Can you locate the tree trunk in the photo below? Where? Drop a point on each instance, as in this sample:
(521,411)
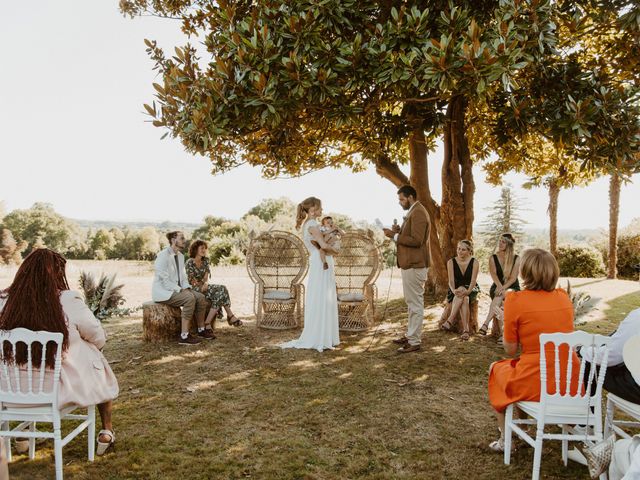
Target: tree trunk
(456,212)
(453,220)
(437,280)
(614,212)
(554,193)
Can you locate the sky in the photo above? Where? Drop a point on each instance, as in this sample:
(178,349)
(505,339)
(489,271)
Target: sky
(73,80)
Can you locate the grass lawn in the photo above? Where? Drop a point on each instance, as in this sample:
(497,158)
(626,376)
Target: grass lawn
(239,408)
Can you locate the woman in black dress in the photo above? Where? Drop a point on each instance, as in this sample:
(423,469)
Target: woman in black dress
(503,267)
(463,287)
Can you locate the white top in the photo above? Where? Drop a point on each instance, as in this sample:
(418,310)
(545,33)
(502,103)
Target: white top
(165,279)
(629,327)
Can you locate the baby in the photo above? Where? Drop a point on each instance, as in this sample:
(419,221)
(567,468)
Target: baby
(331,235)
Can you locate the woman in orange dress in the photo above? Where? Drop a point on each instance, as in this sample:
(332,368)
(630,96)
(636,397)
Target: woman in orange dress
(539,308)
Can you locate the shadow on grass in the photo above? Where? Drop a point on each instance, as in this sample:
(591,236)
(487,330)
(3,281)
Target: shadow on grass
(616,310)
(239,407)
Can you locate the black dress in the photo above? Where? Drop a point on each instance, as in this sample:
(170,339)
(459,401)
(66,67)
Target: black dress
(463,280)
(514,286)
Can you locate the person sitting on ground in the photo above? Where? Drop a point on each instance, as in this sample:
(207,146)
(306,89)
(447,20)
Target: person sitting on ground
(198,273)
(503,267)
(463,287)
(331,235)
(539,308)
(617,378)
(171,287)
(40,299)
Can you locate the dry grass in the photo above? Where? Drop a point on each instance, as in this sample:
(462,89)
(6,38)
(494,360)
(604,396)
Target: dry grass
(238,407)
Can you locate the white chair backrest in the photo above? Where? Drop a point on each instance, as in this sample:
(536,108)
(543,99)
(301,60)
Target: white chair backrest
(26,384)
(570,341)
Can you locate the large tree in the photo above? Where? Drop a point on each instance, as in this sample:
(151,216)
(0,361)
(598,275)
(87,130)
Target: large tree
(293,87)
(297,86)
(581,104)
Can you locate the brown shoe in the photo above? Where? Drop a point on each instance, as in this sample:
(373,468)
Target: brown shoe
(190,340)
(400,341)
(207,334)
(409,348)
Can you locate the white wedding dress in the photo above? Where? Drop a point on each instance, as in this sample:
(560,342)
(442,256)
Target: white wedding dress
(321,303)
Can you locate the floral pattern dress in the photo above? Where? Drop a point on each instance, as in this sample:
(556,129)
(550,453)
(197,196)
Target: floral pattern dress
(218,295)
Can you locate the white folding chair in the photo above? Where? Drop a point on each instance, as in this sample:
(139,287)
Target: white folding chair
(560,408)
(29,395)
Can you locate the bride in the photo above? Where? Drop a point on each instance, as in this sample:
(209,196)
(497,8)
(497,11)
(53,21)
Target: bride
(321,304)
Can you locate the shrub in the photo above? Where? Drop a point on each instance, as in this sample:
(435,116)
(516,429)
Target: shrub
(628,256)
(103,297)
(580,262)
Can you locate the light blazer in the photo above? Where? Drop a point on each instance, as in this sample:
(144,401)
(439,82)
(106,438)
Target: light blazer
(413,239)
(165,279)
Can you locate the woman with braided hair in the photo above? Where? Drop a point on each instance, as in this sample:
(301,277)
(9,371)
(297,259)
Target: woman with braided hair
(40,299)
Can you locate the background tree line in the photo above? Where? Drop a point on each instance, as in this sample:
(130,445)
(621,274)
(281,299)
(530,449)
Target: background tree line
(580,254)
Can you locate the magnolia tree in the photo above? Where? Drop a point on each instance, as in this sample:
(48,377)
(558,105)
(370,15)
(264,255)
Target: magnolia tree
(293,87)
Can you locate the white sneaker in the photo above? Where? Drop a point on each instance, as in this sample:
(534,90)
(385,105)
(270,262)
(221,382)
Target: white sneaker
(497,445)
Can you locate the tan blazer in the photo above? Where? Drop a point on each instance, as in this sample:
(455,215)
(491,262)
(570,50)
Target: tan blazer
(413,240)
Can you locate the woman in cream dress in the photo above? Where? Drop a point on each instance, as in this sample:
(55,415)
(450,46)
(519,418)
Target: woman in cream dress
(321,303)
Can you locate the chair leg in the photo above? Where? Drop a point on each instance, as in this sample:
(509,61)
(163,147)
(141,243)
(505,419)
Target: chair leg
(7,441)
(91,432)
(565,446)
(537,453)
(57,450)
(32,441)
(508,418)
(608,419)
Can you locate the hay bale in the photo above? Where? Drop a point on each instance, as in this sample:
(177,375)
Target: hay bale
(160,322)
(457,324)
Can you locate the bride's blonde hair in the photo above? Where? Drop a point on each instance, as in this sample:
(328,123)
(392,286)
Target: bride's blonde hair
(303,209)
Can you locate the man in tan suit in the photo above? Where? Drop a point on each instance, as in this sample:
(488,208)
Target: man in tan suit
(412,240)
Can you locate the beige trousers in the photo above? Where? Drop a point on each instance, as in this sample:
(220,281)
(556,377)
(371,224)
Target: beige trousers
(190,301)
(413,287)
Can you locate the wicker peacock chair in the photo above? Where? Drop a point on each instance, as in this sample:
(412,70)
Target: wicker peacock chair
(277,262)
(357,268)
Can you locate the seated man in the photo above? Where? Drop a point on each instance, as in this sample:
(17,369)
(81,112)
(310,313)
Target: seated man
(171,287)
(618,379)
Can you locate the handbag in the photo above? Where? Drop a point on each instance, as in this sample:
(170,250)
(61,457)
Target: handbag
(599,455)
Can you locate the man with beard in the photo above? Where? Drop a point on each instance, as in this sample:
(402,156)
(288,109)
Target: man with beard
(171,287)
(412,240)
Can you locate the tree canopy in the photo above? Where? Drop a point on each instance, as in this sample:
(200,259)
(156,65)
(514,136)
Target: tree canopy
(292,87)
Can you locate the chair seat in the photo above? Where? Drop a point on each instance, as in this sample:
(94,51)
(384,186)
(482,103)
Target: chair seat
(350,297)
(9,408)
(629,407)
(277,295)
(556,413)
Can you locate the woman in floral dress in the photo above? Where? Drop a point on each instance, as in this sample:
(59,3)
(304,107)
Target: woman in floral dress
(198,273)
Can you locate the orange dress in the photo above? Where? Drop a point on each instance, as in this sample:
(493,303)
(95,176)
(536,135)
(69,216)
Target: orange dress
(527,314)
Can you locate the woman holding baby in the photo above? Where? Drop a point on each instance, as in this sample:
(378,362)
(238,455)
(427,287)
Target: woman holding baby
(321,304)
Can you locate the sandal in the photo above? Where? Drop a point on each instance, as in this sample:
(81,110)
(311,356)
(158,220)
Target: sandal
(465,336)
(234,323)
(446,326)
(483,329)
(103,447)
